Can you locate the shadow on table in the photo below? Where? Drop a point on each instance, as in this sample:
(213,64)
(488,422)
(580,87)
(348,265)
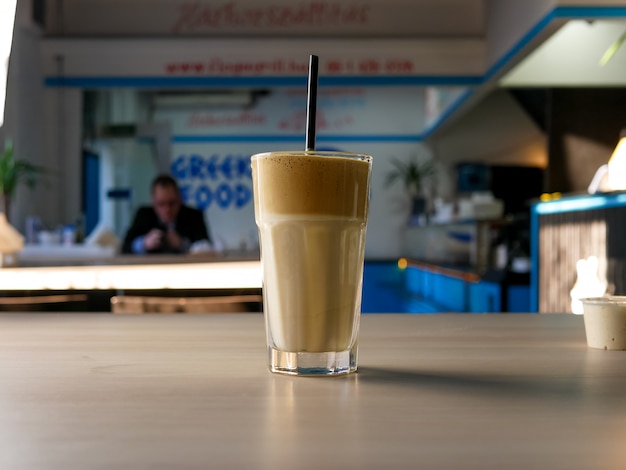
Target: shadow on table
(559,389)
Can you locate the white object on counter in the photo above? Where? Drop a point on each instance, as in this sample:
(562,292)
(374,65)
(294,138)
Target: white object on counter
(103,236)
(66,253)
(486,206)
(201,246)
(49,237)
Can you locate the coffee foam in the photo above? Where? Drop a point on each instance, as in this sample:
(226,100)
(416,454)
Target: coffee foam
(299,183)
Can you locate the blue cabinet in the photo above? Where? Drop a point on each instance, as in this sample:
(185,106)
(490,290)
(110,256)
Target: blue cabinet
(428,288)
(415,280)
(518,299)
(449,292)
(485,297)
(424,288)
(383,288)
(444,290)
(436,291)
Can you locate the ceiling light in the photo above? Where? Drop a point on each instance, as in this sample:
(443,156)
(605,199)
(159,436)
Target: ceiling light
(617,166)
(236,99)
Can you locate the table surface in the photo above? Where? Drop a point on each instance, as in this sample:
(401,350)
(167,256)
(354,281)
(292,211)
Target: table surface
(449,391)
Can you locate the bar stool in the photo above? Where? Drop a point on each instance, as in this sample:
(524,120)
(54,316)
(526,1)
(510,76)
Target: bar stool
(44,303)
(155,304)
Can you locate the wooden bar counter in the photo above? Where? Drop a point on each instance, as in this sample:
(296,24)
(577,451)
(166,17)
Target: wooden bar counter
(150,272)
(102,391)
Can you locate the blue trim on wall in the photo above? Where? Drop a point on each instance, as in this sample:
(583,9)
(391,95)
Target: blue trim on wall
(160,82)
(521,44)
(557,13)
(410,80)
(581,203)
(193,139)
(534,259)
(581,12)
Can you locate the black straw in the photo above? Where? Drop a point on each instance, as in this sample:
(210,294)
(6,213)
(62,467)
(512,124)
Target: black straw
(311,104)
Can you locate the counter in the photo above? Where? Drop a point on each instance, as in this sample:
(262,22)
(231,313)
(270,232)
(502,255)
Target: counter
(213,275)
(90,284)
(148,272)
(86,255)
(191,392)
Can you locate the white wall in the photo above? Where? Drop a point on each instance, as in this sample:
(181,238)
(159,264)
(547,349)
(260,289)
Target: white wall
(495,131)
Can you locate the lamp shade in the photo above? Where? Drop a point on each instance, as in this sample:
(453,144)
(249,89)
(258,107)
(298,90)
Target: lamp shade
(11,240)
(617,167)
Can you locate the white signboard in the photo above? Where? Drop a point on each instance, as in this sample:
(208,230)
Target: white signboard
(211,150)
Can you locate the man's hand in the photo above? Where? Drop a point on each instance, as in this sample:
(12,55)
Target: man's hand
(174,240)
(153,239)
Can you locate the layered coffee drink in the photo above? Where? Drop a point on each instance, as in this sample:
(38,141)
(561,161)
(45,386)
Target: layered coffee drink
(311,210)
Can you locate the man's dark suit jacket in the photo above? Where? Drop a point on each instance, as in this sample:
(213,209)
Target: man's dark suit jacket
(189,224)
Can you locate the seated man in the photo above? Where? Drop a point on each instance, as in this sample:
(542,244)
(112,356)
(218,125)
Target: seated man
(168,226)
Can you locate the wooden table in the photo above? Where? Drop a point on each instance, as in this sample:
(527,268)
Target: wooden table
(103,391)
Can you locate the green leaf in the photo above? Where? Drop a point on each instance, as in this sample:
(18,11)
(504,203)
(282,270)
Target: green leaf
(411,173)
(13,172)
(610,52)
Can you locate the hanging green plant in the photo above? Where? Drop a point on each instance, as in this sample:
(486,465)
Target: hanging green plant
(14,172)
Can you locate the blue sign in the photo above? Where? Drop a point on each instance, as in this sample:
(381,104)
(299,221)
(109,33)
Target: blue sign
(222,180)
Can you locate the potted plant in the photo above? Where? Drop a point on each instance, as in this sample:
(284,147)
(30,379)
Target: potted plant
(413,175)
(13,172)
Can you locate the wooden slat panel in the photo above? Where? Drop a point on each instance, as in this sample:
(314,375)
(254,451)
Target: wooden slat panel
(567,237)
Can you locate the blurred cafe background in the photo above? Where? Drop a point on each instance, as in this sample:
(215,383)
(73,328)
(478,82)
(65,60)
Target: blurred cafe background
(493,124)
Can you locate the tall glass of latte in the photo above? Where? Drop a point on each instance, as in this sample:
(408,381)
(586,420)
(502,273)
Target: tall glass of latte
(311,211)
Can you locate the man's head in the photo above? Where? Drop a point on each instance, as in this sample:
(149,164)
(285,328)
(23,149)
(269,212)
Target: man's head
(166,198)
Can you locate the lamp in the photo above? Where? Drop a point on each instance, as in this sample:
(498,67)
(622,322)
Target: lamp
(617,166)
(7,21)
(11,241)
